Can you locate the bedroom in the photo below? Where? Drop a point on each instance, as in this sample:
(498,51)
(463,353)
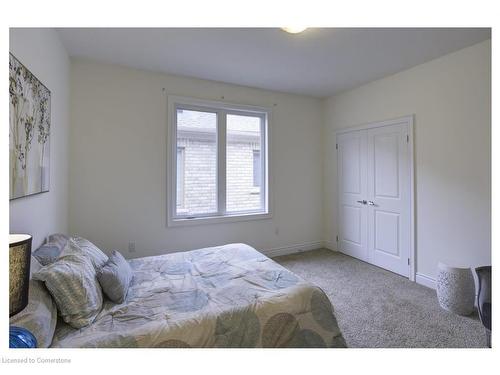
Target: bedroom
(258,188)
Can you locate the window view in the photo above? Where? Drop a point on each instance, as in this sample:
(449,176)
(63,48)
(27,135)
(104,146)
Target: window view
(220,167)
(243,163)
(196,163)
(180,178)
(256,168)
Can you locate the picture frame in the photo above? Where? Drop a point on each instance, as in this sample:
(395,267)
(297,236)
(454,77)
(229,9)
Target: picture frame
(29,132)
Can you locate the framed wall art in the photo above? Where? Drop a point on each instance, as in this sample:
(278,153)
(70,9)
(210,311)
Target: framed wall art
(29,137)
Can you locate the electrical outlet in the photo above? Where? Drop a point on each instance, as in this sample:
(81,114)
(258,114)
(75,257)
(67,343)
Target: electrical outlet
(277,231)
(131,247)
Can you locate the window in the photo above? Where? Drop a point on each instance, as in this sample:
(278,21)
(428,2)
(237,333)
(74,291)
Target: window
(197,136)
(256,168)
(218,163)
(243,135)
(180,178)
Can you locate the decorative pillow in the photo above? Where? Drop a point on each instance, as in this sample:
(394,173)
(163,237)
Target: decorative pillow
(47,254)
(40,316)
(50,250)
(58,239)
(72,282)
(115,277)
(82,245)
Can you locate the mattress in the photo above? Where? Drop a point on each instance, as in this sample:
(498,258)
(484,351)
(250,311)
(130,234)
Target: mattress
(226,296)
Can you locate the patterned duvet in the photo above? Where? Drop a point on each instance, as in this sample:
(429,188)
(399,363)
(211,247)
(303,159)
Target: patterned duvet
(227,296)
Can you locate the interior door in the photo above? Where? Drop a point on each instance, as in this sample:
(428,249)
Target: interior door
(388,206)
(352,185)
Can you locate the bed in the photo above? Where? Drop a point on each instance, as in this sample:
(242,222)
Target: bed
(227,296)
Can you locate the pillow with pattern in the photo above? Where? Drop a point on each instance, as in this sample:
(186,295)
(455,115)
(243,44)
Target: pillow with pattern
(87,248)
(72,282)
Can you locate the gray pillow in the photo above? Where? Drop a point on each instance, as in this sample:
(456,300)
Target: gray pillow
(40,316)
(72,282)
(115,277)
(51,249)
(47,254)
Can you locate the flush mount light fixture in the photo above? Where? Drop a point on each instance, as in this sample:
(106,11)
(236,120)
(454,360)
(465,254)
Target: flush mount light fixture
(293,30)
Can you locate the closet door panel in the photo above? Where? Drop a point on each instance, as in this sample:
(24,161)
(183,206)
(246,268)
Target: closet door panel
(388,189)
(352,190)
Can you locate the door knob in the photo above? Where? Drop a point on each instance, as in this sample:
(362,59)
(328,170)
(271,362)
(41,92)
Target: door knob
(362,202)
(371,203)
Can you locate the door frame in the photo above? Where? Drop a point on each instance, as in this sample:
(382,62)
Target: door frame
(409,120)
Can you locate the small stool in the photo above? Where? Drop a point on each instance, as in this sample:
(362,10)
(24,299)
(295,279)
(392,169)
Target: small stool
(455,289)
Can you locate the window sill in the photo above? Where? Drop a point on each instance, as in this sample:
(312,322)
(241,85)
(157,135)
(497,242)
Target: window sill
(173,222)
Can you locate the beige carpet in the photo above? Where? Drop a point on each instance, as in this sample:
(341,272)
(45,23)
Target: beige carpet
(377,308)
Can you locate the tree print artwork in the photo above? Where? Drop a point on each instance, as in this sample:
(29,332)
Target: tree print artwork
(29,138)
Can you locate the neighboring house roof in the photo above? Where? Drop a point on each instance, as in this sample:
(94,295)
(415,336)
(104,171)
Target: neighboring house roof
(202,126)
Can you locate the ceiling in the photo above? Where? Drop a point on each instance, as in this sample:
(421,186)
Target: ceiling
(318,62)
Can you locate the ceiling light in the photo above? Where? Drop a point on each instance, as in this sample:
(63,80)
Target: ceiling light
(293,30)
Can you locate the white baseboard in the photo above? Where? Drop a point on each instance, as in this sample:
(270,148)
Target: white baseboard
(292,249)
(330,245)
(425,280)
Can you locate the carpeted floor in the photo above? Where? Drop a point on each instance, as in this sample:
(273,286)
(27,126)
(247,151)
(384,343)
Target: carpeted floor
(377,308)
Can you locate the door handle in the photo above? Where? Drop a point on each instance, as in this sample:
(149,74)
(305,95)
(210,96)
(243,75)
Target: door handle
(370,203)
(362,202)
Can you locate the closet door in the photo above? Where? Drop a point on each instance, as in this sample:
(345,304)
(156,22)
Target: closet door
(388,187)
(351,169)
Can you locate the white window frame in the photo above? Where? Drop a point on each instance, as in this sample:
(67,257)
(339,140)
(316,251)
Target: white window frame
(222,109)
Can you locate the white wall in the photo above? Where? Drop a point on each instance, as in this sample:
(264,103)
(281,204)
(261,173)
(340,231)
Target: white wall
(118,163)
(117,179)
(41,51)
(451,100)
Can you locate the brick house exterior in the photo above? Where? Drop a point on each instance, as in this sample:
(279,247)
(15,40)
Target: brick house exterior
(197,163)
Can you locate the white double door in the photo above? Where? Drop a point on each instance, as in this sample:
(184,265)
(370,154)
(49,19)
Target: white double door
(374,195)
